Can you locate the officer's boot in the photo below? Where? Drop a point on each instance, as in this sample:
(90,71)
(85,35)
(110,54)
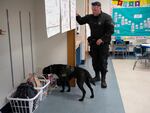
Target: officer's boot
(103,81)
(97,76)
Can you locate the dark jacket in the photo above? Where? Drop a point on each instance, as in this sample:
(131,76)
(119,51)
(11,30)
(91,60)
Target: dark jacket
(101,26)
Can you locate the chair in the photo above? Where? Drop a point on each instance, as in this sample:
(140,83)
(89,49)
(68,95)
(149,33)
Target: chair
(140,54)
(120,47)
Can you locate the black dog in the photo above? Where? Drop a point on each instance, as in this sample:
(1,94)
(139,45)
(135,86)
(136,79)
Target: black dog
(62,71)
(66,72)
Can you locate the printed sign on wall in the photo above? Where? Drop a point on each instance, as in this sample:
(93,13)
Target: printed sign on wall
(52,9)
(65,16)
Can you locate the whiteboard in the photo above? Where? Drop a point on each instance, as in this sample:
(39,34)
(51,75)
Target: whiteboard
(73,13)
(65,16)
(52,11)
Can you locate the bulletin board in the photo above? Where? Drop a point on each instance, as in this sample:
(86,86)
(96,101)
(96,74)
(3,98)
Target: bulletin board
(132,21)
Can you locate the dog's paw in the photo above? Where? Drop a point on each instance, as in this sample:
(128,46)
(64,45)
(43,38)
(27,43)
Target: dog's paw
(92,96)
(62,91)
(68,90)
(81,99)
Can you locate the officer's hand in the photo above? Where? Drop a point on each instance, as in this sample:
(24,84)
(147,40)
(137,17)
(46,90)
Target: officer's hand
(99,42)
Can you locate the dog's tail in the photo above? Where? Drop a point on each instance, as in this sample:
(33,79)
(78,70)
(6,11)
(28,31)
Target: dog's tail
(90,79)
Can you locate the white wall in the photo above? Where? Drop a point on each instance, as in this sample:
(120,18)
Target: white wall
(12,69)
(16,56)
(48,50)
(81,35)
(5,68)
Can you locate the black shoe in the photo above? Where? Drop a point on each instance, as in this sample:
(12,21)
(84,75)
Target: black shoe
(103,84)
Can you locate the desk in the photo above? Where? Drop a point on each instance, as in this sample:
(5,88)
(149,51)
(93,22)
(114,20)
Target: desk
(126,42)
(145,45)
(120,48)
(146,53)
(143,54)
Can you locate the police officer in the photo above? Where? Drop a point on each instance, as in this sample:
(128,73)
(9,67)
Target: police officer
(102,27)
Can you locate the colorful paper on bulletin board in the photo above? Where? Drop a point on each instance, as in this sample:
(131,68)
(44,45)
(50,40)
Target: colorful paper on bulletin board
(125,3)
(115,2)
(120,3)
(132,21)
(144,2)
(129,0)
(137,3)
(126,0)
(131,4)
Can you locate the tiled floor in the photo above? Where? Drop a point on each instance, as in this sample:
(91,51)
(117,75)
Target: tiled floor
(134,85)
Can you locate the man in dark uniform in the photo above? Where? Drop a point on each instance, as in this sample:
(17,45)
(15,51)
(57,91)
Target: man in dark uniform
(102,28)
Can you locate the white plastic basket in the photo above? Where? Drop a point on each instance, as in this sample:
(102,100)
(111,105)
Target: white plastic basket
(20,105)
(44,88)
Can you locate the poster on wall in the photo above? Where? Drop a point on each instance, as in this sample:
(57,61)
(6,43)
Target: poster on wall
(65,16)
(132,21)
(52,12)
(73,13)
(131,3)
(145,2)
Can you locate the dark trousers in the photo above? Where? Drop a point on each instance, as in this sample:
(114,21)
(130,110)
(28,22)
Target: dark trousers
(99,56)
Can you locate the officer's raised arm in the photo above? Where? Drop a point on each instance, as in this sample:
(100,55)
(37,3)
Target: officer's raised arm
(82,20)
